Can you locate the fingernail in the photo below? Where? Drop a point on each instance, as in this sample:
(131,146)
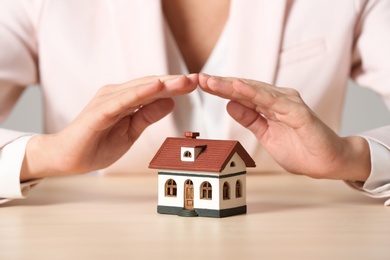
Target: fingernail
(193,75)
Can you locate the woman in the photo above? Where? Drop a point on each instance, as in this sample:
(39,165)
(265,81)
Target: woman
(72,48)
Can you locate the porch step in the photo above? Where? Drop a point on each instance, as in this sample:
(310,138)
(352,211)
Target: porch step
(187,213)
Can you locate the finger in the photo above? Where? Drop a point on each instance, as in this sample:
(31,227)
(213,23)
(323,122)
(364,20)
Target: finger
(218,86)
(264,112)
(144,94)
(223,86)
(248,118)
(287,108)
(226,88)
(148,115)
(107,110)
(148,79)
(275,103)
(130,99)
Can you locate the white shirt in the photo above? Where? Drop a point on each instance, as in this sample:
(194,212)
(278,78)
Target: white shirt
(11,159)
(203,112)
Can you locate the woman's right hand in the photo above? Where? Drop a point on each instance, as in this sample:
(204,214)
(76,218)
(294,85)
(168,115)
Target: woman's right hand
(106,128)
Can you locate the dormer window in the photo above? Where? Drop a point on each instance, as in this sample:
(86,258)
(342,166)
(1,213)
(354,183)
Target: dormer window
(232,164)
(187,154)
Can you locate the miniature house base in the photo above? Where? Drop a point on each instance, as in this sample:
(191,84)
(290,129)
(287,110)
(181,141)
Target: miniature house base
(204,178)
(202,212)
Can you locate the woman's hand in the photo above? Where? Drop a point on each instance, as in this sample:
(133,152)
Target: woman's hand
(290,131)
(106,128)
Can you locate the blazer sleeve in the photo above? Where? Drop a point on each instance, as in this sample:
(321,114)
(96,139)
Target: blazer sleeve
(18,56)
(371,68)
(18,69)
(371,56)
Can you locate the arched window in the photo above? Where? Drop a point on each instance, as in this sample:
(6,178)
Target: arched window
(226,191)
(187,154)
(238,189)
(232,164)
(170,188)
(206,191)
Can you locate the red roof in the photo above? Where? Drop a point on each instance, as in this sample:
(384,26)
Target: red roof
(213,157)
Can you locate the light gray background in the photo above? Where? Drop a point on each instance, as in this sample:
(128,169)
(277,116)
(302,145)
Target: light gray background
(27,115)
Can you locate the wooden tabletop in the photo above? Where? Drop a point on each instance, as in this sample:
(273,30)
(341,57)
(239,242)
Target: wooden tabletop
(114,217)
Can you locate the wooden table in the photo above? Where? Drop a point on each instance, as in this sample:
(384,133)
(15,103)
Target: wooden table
(101,217)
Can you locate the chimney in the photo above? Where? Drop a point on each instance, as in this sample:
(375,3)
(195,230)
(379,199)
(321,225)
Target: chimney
(191,135)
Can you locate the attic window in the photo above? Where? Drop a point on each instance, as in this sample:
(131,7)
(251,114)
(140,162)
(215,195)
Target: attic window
(187,154)
(232,164)
(190,153)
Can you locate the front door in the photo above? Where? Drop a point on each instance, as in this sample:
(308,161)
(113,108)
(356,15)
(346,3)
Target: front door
(188,195)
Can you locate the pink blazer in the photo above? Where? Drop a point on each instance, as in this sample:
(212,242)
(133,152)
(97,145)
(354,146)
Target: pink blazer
(74,47)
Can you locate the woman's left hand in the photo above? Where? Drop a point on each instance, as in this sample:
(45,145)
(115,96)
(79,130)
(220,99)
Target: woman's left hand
(290,131)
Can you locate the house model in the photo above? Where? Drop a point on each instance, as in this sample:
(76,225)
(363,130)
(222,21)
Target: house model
(201,177)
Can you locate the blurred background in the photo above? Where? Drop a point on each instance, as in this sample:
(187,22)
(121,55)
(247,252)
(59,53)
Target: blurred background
(27,115)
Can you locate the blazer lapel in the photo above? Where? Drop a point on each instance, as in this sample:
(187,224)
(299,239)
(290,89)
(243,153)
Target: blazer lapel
(257,30)
(256,34)
(142,37)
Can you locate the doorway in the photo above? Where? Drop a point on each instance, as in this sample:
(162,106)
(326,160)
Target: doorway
(188,195)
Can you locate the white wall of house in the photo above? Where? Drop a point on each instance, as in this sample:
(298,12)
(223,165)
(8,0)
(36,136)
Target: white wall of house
(239,165)
(217,191)
(178,201)
(233,201)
